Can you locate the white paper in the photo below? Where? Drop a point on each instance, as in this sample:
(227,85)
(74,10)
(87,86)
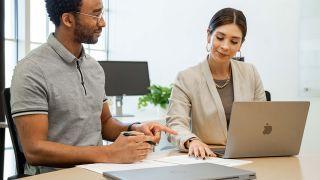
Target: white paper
(161,162)
(185,159)
(102,167)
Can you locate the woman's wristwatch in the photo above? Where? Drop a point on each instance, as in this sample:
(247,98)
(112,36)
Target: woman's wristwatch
(189,141)
(193,138)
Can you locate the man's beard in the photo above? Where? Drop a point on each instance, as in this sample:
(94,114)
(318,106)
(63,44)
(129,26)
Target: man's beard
(84,35)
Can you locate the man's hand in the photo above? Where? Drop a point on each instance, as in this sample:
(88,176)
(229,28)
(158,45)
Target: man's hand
(129,149)
(153,130)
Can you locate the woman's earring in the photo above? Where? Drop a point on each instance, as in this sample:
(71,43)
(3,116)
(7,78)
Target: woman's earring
(208,47)
(209,44)
(238,58)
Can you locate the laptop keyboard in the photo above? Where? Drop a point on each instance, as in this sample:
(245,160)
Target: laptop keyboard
(219,152)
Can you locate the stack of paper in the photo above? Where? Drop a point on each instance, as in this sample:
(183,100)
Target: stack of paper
(185,159)
(160,162)
(102,167)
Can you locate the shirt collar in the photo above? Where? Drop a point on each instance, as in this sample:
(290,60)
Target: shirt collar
(65,55)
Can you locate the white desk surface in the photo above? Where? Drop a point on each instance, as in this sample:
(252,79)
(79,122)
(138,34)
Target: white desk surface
(294,168)
(305,166)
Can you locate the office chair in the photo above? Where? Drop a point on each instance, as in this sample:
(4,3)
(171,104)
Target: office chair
(20,158)
(268,95)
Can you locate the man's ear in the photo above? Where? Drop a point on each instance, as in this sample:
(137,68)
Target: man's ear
(67,19)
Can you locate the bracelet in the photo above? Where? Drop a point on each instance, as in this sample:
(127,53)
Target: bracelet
(130,126)
(191,139)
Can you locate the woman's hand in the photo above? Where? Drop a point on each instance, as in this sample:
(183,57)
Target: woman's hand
(199,149)
(153,129)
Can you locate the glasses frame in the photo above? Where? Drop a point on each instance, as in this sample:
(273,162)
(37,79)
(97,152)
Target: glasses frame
(99,17)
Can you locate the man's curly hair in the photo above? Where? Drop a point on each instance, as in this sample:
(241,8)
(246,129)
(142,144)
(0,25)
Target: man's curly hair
(56,8)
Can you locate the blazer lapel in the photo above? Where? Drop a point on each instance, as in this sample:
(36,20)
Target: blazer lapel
(238,81)
(214,95)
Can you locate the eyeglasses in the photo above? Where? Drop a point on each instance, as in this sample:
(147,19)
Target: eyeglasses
(99,17)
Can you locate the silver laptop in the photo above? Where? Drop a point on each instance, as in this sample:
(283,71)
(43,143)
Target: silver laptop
(259,129)
(185,172)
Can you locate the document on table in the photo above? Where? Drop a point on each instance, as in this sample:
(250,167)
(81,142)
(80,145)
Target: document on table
(102,167)
(185,159)
(161,162)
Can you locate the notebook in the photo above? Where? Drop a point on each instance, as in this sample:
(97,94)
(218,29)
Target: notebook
(185,172)
(260,129)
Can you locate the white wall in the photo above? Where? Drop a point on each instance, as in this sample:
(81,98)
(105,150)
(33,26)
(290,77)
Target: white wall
(171,36)
(309,53)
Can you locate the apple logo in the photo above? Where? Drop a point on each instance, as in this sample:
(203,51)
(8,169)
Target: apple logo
(267,129)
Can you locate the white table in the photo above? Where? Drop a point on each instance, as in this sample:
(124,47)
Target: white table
(294,168)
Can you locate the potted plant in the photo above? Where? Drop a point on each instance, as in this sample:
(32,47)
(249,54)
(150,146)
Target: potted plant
(158,96)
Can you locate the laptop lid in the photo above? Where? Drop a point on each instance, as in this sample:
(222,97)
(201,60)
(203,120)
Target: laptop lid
(185,172)
(272,128)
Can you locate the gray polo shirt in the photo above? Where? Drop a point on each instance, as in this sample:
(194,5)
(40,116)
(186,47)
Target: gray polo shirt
(50,80)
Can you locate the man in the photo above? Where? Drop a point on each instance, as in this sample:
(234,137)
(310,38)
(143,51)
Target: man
(58,99)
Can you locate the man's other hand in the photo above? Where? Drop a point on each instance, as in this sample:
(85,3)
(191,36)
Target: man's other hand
(130,149)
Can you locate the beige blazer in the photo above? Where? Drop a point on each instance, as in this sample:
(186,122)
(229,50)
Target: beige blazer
(195,108)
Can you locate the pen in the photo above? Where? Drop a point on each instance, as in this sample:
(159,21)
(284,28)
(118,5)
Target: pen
(135,133)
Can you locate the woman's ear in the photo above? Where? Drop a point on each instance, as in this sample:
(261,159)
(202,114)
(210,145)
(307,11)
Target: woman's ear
(240,46)
(208,36)
(242,41)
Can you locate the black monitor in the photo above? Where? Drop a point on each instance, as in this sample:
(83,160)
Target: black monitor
(125,78)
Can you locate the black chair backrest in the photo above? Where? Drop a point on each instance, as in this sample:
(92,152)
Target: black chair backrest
(20,158)
(268,95)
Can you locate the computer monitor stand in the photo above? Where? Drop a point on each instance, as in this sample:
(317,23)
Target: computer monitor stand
(119,104)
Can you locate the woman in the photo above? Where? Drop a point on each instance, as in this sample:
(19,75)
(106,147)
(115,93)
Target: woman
(202,95)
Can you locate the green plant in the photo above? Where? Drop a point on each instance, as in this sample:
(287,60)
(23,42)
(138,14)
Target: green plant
(159,95)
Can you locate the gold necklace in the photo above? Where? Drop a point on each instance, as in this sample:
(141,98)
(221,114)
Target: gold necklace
(223,85)
(226,82)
